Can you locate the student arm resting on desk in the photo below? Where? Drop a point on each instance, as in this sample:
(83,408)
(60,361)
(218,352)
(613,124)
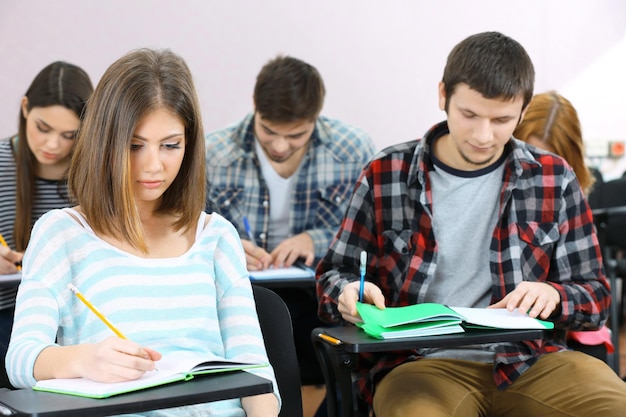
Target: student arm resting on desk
(575,300)
(471,217)
(169,276)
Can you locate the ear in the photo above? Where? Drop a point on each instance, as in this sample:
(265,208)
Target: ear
(442,96)
(521,117)
(25,107)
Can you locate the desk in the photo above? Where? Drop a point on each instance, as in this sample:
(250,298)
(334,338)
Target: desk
(29,403)
(601,217)
(291,277)
(338,360)
(10,280)
(285,282)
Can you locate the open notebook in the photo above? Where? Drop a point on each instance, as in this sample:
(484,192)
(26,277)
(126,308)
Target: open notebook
(297,271)
(429,319)
(180,366)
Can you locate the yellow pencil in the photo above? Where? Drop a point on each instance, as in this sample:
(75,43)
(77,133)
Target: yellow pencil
(4,243)
(330,339)
(96,312)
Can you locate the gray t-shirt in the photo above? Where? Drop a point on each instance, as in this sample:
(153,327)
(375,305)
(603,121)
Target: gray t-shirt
(465,213)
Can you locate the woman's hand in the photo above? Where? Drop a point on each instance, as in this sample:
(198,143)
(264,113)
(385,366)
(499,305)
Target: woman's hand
(116,360)
(8,259)
(112,360)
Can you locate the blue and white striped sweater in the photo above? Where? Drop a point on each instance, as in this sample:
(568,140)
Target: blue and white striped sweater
(200,301)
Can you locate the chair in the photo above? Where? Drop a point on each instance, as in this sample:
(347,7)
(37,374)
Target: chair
(275,324)
(608,203)
(338,349)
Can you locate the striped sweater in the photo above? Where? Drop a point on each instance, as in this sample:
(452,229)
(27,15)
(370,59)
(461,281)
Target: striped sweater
(200,301)
(48,195)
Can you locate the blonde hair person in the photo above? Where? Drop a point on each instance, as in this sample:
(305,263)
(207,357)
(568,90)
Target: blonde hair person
(551,123)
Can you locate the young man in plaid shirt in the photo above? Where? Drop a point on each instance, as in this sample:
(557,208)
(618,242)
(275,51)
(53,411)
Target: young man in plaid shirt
(468,216)
(290,171)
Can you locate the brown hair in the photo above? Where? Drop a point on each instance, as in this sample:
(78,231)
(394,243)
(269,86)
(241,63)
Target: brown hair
(140,82)
(287,90)
(553,119)
(492,64)
(59,83)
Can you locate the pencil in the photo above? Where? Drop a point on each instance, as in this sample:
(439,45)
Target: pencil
(246,225)
(330,339)
(96,312)
(4,243)
(362,273)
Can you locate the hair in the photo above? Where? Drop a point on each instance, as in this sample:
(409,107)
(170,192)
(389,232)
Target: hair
(288,90)
(492,64)
(554,120)
(142,81)
(59,83)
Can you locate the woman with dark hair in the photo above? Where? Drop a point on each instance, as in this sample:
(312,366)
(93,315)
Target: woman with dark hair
(33,167)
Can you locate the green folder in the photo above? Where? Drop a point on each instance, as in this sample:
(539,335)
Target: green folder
(427,319)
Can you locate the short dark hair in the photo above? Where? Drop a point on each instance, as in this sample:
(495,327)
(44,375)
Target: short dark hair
(492,64)
(287,90)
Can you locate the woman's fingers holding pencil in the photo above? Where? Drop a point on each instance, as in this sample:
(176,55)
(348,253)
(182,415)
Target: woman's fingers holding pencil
(151,354)
(8,260)
(116,360)
(350,295)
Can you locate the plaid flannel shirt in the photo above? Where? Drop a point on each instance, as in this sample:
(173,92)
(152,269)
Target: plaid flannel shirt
(544,233)
(325,180)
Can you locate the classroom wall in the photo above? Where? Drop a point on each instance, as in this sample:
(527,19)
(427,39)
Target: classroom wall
(381,60)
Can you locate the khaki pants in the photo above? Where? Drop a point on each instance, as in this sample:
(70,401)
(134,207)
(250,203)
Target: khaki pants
(558,384)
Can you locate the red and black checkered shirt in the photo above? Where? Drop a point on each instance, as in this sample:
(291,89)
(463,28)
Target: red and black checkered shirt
(544,233)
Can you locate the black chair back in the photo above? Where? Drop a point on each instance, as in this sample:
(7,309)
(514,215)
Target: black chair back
(275,322)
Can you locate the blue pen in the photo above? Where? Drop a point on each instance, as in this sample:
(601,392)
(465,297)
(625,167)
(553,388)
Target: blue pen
(246,225)
(362,270)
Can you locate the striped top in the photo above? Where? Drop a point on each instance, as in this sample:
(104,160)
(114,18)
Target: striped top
(48,195)
(200,301)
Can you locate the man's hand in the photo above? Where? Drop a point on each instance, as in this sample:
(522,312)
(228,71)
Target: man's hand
(8,259)
(257,259)
(350,295)
(289,250)
(538,299)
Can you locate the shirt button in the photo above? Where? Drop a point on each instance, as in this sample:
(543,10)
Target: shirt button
(262,236)
(265,203)
(226,203)
(337,199)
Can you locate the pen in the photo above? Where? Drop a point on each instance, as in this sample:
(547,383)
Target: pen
(246,225)
(4,243)
(299,263)
(96,312)
(329,339)
(362,270)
